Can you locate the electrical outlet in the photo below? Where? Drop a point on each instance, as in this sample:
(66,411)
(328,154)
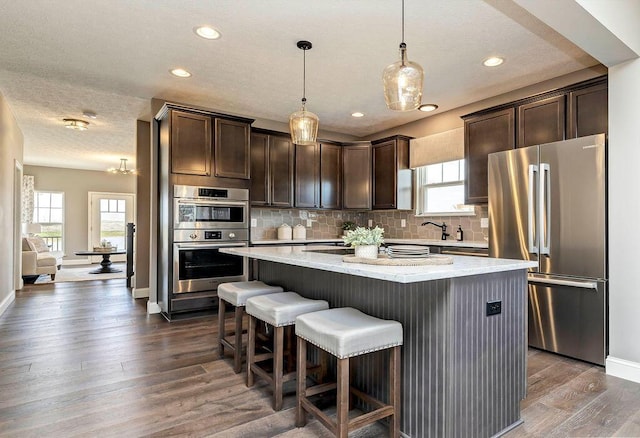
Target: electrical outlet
(309,223)
(370,223)
(484,222)
(254,222)
(494,307)
(403,223)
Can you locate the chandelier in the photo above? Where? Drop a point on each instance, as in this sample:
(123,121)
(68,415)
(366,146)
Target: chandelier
(122,170)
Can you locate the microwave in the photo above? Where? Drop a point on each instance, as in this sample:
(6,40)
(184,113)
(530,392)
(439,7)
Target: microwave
(210,208)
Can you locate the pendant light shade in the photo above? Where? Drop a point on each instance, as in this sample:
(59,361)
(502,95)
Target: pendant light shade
(303,124)
(403,80)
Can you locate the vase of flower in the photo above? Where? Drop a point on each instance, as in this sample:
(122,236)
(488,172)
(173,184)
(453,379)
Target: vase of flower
(365,241)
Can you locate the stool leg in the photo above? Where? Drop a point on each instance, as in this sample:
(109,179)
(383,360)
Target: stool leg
(237,353)
(251,348)
(221,332)
(278,356)
(342,396)
(301,416)
(394,391)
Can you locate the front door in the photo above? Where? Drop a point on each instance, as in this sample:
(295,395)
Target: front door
(109,214)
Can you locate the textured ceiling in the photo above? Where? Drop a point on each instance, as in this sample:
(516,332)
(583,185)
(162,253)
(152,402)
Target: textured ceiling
(111,57)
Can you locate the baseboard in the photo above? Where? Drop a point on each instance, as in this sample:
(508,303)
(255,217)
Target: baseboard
(625,369)
(153,308)
(7,301)
(76,262)
(140,292)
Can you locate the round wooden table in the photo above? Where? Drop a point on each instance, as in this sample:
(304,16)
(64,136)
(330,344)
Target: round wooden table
(106,260)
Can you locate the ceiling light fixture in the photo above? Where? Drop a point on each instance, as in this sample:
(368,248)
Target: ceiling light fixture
(493,61)
(78,125)
(303,124)
(122,170)
(90,114)
(357,114)
(207,32)
(180,72)
(402,80)
(427,107)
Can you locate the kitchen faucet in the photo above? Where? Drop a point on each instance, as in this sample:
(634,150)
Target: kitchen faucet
(443,226)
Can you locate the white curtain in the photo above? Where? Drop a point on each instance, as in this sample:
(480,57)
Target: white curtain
(28,184)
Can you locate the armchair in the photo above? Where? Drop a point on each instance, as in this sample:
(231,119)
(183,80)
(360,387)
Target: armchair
(37,259)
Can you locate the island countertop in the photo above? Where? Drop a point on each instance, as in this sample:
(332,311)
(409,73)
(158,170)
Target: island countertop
(390,240)
(306,257)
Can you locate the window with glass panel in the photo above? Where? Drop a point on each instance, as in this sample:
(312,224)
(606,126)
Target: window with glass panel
(48,211)
(113,222)
(440,189)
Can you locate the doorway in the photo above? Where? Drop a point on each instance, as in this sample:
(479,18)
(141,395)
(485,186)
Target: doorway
(109,214)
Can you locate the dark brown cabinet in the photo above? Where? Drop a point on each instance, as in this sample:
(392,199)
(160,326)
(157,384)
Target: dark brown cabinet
(541,122)
(483,135)
(272,164)
(356,177)
(190,143)
(392,177)
(307,176)
(231,152)
(588,111)
(330,176)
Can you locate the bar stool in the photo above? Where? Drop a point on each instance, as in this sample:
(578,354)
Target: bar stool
(346,332)
(279,311)
(236,293)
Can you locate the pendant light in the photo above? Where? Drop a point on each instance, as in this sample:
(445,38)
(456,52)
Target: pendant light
(303,124)
(402,80)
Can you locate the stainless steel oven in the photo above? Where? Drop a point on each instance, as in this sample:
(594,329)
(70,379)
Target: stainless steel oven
(198,264)
(210,208)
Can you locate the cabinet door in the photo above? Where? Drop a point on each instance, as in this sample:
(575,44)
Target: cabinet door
(281,171)
(330,176)
(588,111)
(484,135)
(259,169)
(385,183)
(356,177)
(190,143)
(541,122)
(307,176)
(231,150)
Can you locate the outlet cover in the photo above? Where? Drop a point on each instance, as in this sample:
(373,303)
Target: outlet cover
(254,222)
(403,223)
(370,223)
(484,222)
(309,223)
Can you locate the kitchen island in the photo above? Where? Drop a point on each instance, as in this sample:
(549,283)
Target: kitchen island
(463,372)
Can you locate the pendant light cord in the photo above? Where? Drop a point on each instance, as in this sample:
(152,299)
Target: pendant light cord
(304,76)
(402,21)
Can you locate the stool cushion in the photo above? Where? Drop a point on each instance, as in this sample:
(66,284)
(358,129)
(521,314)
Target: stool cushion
(282,308)
(347,332)
(238,292)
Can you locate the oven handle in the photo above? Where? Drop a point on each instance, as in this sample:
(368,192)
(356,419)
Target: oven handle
(204,245)
(211,202)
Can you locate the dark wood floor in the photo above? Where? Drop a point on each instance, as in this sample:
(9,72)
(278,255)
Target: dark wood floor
(84,359)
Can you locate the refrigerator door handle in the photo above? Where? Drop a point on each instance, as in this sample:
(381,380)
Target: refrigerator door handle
(531,211)
(544,211)
(560,282)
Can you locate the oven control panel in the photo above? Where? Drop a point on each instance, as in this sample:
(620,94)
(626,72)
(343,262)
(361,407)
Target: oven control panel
(211,235)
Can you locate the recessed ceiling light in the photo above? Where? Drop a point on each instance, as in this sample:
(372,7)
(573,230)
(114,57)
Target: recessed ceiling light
(78,125)
(207,32)
(180,72)
(494,61)
(428,107)
(357,114)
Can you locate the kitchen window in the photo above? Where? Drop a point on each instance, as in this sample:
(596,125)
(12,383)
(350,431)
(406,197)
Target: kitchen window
(48,211)
(440,190)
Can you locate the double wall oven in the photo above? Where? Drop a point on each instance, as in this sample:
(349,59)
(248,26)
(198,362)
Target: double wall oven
(206,219)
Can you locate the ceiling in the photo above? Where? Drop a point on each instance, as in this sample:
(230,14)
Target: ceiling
(62,58)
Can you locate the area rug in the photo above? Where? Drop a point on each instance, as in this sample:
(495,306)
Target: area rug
(82,274)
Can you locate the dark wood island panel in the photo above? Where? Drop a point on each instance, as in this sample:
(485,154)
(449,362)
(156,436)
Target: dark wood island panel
(463,373)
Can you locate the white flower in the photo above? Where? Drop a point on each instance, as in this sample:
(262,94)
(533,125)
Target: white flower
(364,236)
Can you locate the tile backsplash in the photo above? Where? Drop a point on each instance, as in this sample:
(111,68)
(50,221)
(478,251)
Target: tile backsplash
(326,224)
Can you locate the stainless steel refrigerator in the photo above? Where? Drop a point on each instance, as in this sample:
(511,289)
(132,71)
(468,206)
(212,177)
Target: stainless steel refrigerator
(547,203)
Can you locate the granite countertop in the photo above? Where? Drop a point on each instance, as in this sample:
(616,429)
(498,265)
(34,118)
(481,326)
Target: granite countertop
(432,242)
(303,256)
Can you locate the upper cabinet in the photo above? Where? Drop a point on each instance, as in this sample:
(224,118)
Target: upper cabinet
(307,176)
(573,111)
(392,177)
(272,166)
(484,135)
(330,176)
(202,146)
(231,152)
(356,176)
(541,122)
